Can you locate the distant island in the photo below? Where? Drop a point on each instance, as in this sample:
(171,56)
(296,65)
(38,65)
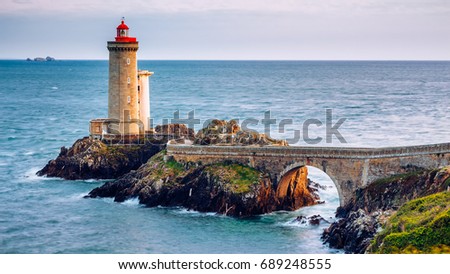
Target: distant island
(41,59)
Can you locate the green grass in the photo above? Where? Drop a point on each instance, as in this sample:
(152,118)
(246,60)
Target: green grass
(419,226)
(156,169)
(447,182)
(174,165)
(239,178)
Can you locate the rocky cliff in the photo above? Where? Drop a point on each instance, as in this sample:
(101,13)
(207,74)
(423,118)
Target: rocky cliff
(371,208)
(143,171)
(226,188)
(92,159)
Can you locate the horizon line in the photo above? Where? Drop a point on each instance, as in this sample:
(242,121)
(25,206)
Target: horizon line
(249,60)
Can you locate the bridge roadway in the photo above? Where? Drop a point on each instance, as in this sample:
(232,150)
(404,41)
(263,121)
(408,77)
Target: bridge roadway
(350,168)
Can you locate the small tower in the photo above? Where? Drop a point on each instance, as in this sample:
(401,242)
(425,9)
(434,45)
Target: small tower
(144,98)
(128,91)
(123,82)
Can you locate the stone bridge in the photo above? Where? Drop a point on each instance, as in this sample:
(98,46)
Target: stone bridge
(349,168)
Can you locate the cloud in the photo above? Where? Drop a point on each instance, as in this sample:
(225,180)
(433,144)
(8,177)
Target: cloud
(114,7)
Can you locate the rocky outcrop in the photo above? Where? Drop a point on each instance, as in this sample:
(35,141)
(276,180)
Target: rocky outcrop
(220,132)
(293,191)
(175,130)
(372,206)
(226,188)
(310,220)
(92,159)
(352,233)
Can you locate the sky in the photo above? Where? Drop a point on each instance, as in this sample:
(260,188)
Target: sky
(230,29)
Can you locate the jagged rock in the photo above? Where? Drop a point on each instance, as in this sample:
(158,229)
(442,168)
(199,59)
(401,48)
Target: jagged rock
(371,206)
(225,188)
(316,220)
(220,132)
(316,186)
(293,191)
(353,233)
(311,220)
(92,159)
(178,130)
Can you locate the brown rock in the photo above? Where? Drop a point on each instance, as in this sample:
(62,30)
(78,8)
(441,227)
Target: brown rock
(221,132)
(177,130)
(225,188)
(91,159)
(293,191)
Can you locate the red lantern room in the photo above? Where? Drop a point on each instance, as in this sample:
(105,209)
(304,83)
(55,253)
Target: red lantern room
(122,33)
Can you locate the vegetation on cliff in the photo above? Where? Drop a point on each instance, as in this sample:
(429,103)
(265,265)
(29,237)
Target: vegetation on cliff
(239,178)
(419,226)
(145,172)
(373,205)
(227,188)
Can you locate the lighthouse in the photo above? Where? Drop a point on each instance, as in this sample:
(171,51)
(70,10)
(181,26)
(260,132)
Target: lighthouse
(128,91)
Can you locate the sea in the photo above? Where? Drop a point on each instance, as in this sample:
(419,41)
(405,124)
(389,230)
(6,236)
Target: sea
(47,105)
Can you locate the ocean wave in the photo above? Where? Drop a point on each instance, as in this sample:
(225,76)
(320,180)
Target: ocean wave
(133,202)
(179,210)
(91,181)
(75,197)
(183,210)
(31,176)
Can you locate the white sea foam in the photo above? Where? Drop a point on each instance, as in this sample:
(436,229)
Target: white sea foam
(30,175)
(133,202)
(95,180)
(184,211)
(75,197)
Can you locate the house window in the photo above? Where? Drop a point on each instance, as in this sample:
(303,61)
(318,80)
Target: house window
(129,99)
(129,80)
(128,61)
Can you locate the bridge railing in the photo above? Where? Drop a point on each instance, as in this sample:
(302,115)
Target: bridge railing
(323,152)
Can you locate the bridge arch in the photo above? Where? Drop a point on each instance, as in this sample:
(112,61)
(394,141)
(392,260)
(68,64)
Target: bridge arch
(299,164)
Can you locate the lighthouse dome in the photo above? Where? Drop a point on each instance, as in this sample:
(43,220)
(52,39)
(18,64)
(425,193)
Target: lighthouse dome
(123,26)
(122,33)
